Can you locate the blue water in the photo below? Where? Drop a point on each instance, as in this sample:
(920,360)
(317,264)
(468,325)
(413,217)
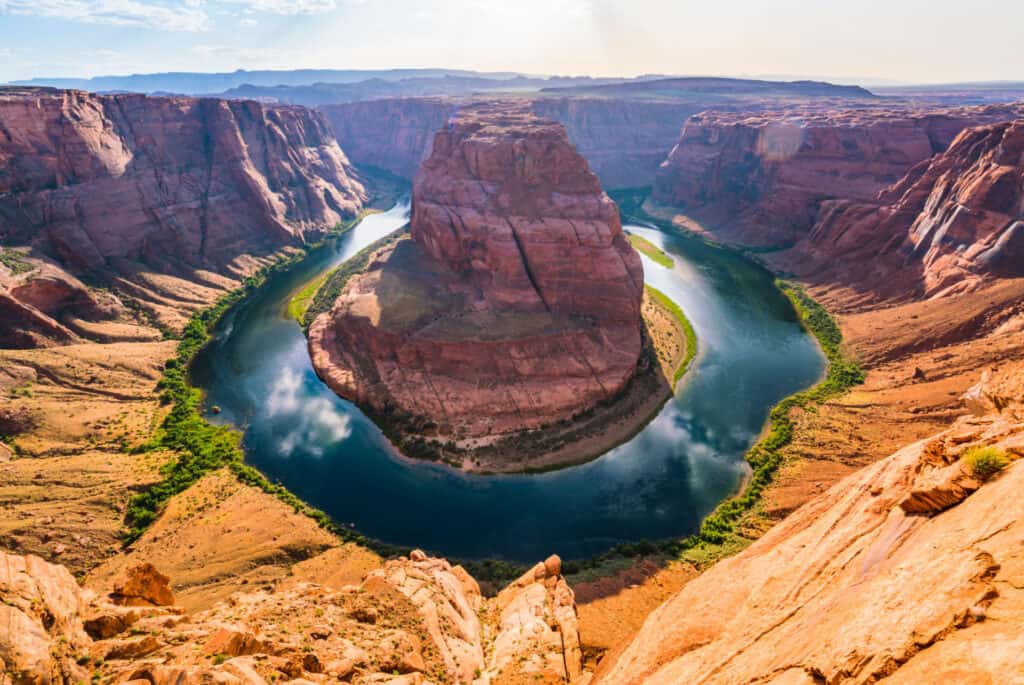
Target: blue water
(752,353)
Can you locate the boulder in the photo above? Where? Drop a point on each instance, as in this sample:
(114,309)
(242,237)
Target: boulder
(143,585)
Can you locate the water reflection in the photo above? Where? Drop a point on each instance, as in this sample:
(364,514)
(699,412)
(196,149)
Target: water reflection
(660,484)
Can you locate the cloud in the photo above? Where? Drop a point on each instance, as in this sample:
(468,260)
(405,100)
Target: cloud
(169,15)
(289,6)
(312,422)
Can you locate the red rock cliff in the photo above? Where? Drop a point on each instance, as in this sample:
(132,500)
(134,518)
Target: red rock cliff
(950,225)
(516,304)
(169,182)
(760,179)
(624,141)
(393,134)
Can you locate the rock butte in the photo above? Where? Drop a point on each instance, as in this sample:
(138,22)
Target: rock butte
(515,304)
(758,178)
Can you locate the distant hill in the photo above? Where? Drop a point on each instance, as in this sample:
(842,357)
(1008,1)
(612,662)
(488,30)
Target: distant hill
(194,83)
(336,93)
(689,86)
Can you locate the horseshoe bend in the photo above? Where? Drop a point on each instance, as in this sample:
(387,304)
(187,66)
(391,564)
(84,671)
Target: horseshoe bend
(428,376)
(511,308)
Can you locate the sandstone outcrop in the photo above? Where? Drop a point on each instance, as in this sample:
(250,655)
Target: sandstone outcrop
(516,302)
(759,179)
(953,224)
(417,620)
(121,186)
(889,574)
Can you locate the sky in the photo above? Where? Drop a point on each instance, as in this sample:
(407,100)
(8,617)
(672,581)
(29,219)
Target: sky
(910,41)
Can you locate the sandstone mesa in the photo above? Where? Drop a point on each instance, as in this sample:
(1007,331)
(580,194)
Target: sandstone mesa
(516,302)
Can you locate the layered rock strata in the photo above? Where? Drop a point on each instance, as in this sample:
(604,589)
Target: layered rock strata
(951,225)
(514,304)
(417,620)
(759,179)
(622,140)
(909,570)
(120,186)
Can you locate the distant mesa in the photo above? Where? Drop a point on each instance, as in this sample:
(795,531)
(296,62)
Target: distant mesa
(514,303)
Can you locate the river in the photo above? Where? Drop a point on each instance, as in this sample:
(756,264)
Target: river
(751,353)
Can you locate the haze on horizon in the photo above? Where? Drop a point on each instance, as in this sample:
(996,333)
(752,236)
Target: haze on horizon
(870,42)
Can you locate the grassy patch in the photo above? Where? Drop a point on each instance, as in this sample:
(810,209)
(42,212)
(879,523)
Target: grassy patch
(299,304)
(15,261)
(653,252)
(985,462)
(669,305)
(334,282)
(201,447)
(733,525)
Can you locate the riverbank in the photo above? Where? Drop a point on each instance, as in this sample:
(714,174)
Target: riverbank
(669,345)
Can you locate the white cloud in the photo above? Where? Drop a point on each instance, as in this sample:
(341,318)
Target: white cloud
(289,6)
(312,421)
(169,15)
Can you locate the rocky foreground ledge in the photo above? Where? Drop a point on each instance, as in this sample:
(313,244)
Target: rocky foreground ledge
(416,621)
(515,305)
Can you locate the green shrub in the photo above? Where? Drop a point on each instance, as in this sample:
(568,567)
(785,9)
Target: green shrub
(985,462)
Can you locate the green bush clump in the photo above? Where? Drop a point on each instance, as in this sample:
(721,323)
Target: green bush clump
(985,462)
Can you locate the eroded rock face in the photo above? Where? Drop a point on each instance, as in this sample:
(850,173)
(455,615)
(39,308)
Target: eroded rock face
(393,134)
(759,179)
(96,178)
(125,186)
(515,304)
(908,570)
(41,629)
(952,224)
(622,140)
(416,620)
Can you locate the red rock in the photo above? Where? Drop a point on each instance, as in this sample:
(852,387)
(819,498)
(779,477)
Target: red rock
(516,304)
(100,177)
(951,225)
(393,134)
(623,140)
(759,179)
(124,185)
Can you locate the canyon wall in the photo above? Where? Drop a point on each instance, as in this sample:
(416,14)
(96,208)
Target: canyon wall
(517,302)
(952,224)
(392,134)
(624,141)
(119,185)
(909,570)
(759,179)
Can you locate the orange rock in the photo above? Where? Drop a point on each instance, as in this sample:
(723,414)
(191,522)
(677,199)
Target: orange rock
(143,585)
(851,588)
